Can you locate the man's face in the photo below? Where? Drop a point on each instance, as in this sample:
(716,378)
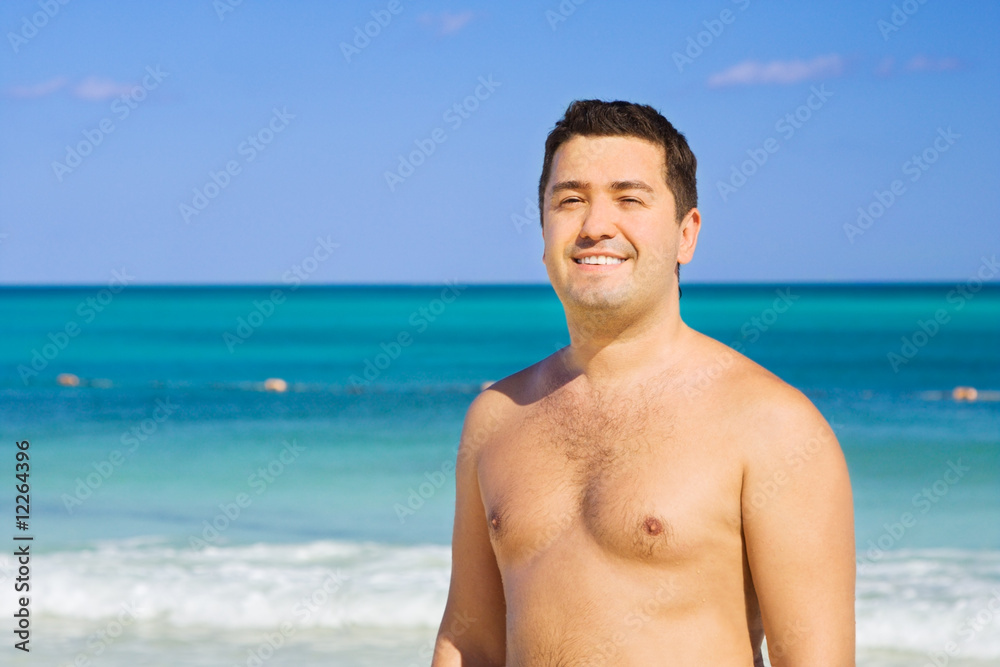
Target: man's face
(610,227)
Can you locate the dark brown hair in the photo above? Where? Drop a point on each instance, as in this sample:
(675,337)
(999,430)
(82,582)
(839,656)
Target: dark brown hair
(597,118)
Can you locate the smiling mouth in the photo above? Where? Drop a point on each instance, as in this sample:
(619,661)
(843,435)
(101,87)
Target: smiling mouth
(600,259)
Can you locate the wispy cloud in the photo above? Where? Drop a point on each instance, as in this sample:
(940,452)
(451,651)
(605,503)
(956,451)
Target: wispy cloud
(91,89)
(778,72)
(885,66)
(95,89)
(920,63)
(925,64)
(37,90)
(446,23)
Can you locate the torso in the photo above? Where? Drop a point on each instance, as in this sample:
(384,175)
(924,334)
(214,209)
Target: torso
(616,525)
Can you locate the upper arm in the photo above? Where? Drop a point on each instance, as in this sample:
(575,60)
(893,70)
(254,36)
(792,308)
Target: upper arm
(473,629)
(798,522)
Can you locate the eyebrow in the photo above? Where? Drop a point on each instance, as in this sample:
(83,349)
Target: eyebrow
(631,185)
(616,186)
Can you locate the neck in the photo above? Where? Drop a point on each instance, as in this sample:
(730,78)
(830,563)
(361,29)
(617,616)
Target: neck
(611,347)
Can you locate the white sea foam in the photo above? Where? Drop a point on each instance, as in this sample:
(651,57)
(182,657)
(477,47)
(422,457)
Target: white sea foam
(931,601)
(914,601)
(319,584)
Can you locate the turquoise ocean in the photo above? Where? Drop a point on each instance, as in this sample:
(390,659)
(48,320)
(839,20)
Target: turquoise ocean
(184,512)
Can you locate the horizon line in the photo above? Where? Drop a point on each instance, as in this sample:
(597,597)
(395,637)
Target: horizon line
(418,285)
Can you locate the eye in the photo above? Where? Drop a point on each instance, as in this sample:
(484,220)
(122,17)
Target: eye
(570,200)
(631,200)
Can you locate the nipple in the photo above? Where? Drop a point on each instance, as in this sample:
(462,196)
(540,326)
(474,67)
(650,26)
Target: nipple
(653,526)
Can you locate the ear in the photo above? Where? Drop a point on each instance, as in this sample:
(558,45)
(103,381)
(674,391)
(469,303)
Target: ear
(688,232)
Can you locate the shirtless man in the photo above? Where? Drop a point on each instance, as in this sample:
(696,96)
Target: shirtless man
(646,495)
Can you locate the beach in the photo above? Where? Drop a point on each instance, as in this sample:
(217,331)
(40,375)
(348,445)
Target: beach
(187,511)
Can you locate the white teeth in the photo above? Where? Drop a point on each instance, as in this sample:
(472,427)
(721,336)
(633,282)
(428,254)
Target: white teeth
(600,259)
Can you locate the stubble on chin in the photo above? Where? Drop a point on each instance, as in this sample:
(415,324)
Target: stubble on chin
(597,299)
(596,311)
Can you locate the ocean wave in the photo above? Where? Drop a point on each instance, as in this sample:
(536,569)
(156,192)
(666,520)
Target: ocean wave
(324,584)
(931,601)
(916,601)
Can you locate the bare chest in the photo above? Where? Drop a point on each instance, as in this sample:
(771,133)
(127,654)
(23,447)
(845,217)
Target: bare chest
(632,478)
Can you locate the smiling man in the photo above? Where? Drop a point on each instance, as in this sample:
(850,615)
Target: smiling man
(646,495)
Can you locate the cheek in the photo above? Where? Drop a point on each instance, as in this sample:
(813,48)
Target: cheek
(659,252)
(555,239)
(546,246)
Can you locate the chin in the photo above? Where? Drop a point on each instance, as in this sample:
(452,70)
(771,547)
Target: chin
(599,298)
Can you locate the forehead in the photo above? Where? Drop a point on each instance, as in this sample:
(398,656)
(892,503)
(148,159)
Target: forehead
(610,158)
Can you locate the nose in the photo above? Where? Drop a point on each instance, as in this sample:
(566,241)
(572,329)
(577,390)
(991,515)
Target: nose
(601,221)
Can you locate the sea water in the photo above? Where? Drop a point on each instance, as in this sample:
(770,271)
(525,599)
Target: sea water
(182,514)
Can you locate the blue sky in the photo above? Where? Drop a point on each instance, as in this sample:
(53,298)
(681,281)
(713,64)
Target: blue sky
(308,133)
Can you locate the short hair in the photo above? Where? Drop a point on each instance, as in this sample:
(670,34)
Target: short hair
(597,118)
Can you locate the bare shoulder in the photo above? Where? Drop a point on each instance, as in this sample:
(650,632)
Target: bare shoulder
(796,507)
(497,407)
(774,420)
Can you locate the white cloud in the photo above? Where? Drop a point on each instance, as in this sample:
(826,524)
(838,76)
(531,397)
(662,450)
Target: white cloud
(34,91)
(96,89)
(92,89)
(925,64)
(446,23)
(919,63)
(780,72)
